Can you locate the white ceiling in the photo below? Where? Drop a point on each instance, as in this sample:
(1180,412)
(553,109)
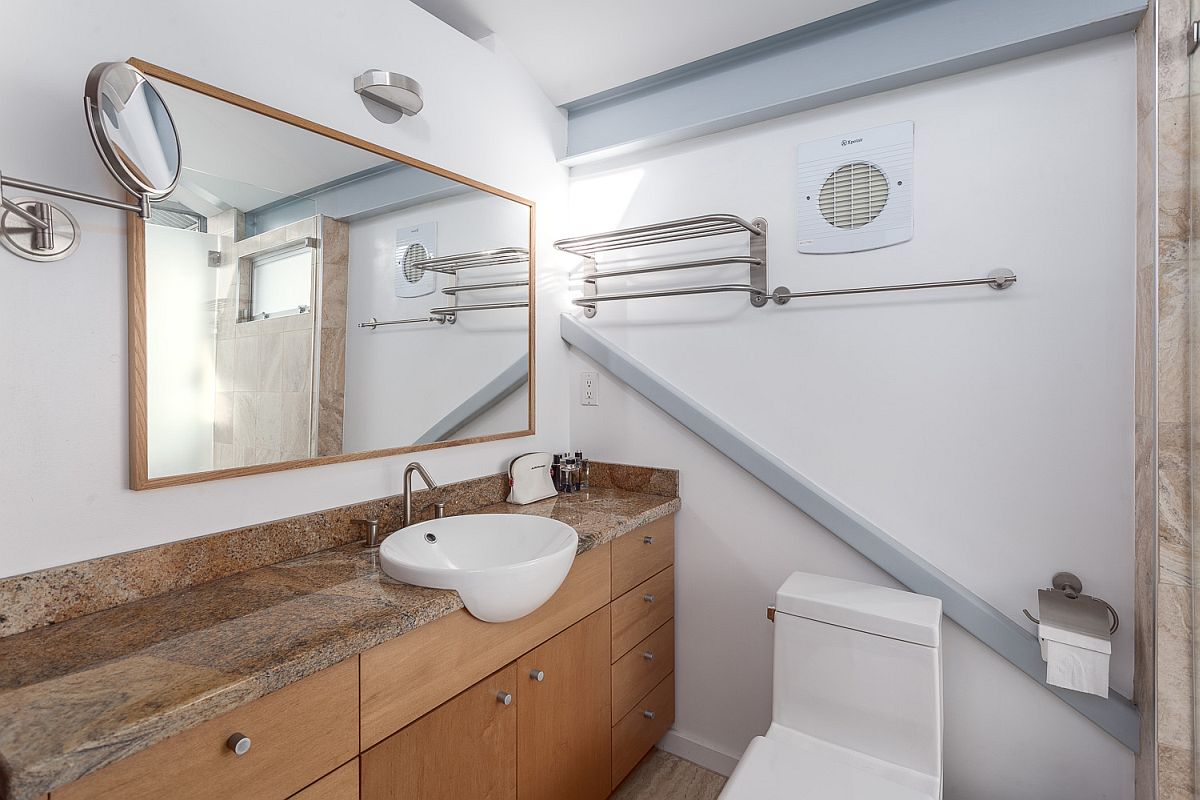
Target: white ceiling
(576,48)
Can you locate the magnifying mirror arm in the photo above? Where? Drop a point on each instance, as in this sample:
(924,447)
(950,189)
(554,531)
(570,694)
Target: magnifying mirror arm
(142,208)
(38,224)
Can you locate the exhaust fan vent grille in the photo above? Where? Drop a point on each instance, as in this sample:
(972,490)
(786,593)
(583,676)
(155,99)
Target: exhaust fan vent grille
(854,192)
(853,195)
(411,260)
(414,245)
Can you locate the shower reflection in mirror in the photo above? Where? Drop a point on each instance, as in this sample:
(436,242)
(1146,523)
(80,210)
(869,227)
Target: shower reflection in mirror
(273,247)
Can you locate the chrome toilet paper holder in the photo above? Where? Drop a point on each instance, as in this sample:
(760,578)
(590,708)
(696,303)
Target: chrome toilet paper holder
(1065,595)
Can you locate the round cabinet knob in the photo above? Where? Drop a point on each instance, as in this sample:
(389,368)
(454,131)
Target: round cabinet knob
(647,540)
(505,698)
(239,743)
(537,675)
(649,598)
(648,714)
(648,655)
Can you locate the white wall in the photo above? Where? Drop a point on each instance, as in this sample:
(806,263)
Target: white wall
(64,383)
(403,379)
(990,432)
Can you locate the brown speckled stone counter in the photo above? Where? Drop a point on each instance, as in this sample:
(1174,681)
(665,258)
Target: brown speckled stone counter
(82,694)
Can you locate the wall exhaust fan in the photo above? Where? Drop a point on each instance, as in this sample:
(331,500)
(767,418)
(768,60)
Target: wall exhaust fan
(855,191)
(414,245)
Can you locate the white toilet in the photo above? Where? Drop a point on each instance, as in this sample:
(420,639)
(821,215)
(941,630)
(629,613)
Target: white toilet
(857,709)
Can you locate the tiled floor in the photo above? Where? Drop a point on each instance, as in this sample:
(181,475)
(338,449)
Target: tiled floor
(662,776)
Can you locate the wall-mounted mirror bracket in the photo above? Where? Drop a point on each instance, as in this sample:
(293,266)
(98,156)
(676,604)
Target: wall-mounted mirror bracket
(49,232)
(136,139)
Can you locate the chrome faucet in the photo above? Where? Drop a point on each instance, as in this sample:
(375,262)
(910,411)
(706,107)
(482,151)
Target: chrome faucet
(429,482)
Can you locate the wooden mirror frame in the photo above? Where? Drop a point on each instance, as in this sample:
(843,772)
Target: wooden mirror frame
(136,243)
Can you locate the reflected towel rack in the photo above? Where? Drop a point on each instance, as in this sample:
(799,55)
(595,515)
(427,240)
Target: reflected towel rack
(451,265)
(673,231)
(374,323)
(475,287)
(480,258)
(452,310)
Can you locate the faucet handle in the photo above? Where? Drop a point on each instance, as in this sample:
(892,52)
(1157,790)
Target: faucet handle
(439,510)
(372,531)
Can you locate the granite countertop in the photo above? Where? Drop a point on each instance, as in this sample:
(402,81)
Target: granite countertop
(82,694)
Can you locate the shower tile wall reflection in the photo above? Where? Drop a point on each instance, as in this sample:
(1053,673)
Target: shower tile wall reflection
(264,367)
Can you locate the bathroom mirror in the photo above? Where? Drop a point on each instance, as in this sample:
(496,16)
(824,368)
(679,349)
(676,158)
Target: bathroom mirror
(305,297)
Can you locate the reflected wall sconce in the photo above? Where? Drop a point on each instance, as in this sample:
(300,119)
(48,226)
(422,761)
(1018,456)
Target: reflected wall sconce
(389,95)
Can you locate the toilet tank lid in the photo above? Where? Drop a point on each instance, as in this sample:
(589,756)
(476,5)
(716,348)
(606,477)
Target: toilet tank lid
(877,610)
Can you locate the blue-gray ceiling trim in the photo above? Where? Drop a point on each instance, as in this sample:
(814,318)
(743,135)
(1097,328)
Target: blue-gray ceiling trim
(512,378)
(885,45)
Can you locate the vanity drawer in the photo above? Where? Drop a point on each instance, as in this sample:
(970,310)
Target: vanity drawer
(341,784)
(641,553)
(641,728)
(641,669)
(642,610)
(297,734)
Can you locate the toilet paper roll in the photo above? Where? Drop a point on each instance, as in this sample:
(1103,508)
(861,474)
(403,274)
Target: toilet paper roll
(1076,668)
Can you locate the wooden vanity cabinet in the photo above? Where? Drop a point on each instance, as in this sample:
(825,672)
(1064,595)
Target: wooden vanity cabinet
(466,747)
(341,784)
(536,730)
(588,677)
(643,643)
(563,742)
(297,735)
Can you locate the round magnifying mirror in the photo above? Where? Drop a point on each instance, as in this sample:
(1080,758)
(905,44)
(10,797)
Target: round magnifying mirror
(132,130)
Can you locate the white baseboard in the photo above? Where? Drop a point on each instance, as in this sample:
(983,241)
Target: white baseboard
(705,755)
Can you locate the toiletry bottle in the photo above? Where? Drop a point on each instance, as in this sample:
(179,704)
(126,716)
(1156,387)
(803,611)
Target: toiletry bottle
(583,473)
(578,470)
(569,477)
(556,473)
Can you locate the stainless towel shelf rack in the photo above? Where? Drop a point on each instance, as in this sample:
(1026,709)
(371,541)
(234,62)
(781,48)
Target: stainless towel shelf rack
(716,225)
(451,265)
(672,231)
(677,230)
(996,279)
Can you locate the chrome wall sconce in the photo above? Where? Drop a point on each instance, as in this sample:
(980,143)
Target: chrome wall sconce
(136,138)
(389,95)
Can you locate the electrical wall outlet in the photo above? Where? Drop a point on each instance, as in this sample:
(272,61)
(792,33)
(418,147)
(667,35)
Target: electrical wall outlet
(588,382)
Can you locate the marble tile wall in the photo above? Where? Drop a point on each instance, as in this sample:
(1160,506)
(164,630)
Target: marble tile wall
(331,392)
(1145,468)
(264,370)
(1164,674)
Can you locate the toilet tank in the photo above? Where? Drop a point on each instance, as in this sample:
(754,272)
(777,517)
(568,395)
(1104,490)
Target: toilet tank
(860,666)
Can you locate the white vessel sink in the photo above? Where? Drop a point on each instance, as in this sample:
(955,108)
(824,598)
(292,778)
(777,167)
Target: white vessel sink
(504,566)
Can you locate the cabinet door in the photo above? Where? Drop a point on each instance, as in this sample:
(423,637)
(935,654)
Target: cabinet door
(341,784)
(563,723)
(464,748)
